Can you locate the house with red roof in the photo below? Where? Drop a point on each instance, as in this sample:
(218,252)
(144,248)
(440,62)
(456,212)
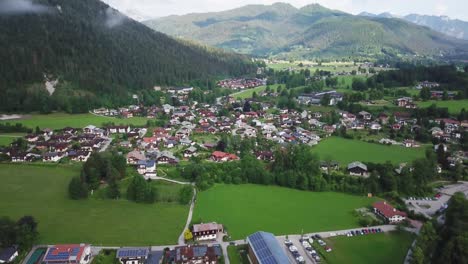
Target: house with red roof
(388,212)
(68,254)
(219,156)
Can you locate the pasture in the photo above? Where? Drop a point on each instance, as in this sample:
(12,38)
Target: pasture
(61,120)
(7,138)
(382,248)
(248,93)
(454,106)
(245,209)
(41,191)
(346,151)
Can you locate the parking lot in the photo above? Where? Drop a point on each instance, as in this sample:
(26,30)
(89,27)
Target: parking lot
(428,206)
(295,240)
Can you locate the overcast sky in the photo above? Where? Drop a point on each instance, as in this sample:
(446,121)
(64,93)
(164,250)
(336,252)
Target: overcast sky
(159,8)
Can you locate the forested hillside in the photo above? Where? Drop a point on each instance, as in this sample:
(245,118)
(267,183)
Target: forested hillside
(98,55)
(311,32)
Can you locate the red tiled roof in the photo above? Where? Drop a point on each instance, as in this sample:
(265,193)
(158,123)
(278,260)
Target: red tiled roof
(387,210)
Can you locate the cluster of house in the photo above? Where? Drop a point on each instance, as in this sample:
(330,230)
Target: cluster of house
(83,254)
(76,144)
(331,97)
(241,83)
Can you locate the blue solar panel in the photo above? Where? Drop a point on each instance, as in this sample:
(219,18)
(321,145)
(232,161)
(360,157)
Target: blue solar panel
(132,252)
(267,249)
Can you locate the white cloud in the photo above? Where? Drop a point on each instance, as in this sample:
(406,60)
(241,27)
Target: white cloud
(17,7)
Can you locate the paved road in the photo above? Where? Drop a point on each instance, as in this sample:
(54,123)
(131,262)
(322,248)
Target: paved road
(169,180)
(106,144)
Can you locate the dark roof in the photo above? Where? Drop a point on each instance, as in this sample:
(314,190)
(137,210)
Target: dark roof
(132,252)
(267,249)
(7,253)
(154,257)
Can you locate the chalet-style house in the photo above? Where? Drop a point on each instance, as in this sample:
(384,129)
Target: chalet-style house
(69,254)
(191,254)
(146,168)
(219,156)
(190,152)
(358,169)
(133,157)
(388,212)
(207,231)
(132,255)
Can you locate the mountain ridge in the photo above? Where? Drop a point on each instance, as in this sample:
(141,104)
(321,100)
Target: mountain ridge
(262,30)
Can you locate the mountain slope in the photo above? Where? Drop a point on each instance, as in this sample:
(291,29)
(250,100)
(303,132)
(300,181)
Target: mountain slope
(312,31)
(103,54)
(451,27)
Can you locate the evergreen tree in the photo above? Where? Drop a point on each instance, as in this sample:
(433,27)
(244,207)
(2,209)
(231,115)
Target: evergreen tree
(77,189)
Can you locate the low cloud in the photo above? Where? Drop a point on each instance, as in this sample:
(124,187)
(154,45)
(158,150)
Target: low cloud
(114,18)
(19,7)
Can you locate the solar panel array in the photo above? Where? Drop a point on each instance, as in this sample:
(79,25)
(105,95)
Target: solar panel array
(61,255)
(132,252)
(262,250)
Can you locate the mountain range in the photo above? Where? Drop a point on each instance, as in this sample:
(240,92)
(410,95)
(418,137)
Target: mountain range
(102,56)
(281,30)
(452,27)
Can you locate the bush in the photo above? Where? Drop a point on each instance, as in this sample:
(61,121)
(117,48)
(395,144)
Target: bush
(185,194)
(77,189)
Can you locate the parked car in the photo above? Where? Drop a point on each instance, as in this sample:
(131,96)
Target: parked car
(328,249)
(287,242)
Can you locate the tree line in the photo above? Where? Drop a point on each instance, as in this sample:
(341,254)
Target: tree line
(22,233)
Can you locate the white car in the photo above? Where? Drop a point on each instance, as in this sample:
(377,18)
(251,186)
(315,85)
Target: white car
(305,244)
(293,249)
(311,241)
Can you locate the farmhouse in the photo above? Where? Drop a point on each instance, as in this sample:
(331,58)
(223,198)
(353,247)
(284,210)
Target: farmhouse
(265,249)
(207,231)
(388,212)
(8,254)
(52,157)
(316,98)
(68,254)
(219,156)
(358,169)
(132,255)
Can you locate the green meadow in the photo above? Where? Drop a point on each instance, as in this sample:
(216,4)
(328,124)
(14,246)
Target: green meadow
(347,150)
(245,209)
(41,191)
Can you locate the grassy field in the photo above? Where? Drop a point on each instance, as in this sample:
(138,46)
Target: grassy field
(41,191)
(346,151)
(245,209)
(7,138)
(61,120)
(454,106)
(383,248)
(249,92)
(238,254)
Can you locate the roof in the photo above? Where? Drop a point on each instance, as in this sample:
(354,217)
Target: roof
(207,227)
(136,155)
(7,253)
(267,249)
(387,210)
(132,252)
(64,253)
(358,165)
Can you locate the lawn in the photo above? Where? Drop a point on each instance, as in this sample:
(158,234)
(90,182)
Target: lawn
(380,248)
(245,209)
(346,151)
(61,120)
(454,106)
(248,93)
(7,138)
(238,254)
(41,191)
